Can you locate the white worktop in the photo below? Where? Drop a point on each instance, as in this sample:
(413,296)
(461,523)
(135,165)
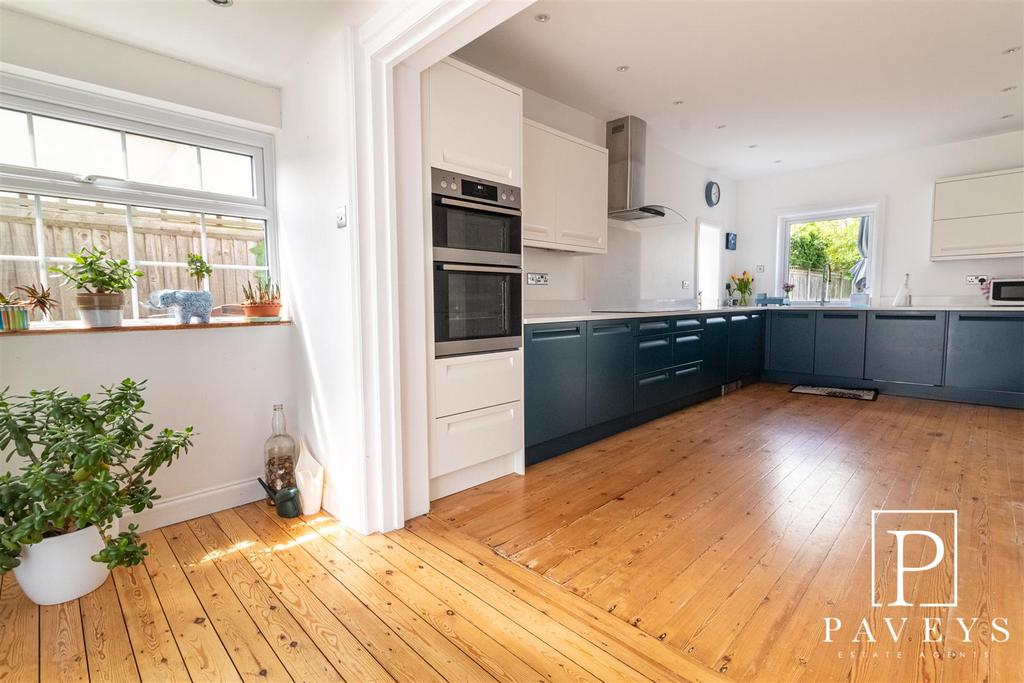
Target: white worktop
(621,315)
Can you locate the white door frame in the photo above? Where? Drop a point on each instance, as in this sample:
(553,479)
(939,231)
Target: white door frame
(696,254)
(390,52)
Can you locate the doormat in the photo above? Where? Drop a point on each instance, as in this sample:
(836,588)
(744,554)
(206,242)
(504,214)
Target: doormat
(857,394)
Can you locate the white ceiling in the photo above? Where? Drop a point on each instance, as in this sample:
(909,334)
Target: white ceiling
(810,83)
(259,40)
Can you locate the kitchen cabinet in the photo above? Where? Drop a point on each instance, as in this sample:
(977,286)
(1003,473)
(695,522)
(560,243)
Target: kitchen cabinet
(555,380)
(565,191)
(839,343)
(653,353)
(474,123)
(479,380)
(746,345)
(905,346)
(979,216)
(985,351)
(791,344)
(716,351)
(610,370)
(471,438)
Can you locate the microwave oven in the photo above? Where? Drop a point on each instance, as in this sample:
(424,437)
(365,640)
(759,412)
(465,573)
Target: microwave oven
(1006,291)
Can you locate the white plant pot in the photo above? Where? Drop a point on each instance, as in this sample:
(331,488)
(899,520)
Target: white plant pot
(58,569)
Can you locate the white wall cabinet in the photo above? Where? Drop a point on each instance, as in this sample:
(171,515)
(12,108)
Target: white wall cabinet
(979,216)
(565,191)
(474,123)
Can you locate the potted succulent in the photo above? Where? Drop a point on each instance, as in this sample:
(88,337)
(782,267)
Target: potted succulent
(85,461)
(101,282)
(262,301)
(15,312)
(198,269)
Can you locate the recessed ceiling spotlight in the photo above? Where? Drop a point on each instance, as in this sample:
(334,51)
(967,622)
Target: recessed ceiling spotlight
(1006,116)
(1009,88)
(542,18)
(720,126)
(624,67)
(222,3)
(678,102)
(778,161)
(1011,50)
(751,146)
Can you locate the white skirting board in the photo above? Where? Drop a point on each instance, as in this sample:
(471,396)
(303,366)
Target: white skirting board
(468,477)
(191,505)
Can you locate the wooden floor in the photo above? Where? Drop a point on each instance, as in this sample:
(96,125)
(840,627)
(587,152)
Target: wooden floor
(730,530)
(245,595)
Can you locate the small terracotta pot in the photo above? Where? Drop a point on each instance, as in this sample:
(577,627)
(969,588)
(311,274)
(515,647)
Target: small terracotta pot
(100,310)
(261,310)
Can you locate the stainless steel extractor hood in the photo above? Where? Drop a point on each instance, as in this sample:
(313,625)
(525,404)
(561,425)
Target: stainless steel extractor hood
(627,155)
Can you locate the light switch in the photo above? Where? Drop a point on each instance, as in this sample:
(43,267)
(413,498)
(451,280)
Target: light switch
(341,220)
(759,269)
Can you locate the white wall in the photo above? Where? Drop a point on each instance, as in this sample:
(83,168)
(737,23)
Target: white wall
(37,47)
(222,382)
(904,180)
(314,178)
(646,260)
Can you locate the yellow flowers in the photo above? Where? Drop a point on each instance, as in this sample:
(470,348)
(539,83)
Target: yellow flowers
(742,281)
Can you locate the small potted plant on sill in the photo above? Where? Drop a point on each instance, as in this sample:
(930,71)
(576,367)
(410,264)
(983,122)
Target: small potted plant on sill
(101,282)
(261,303)
(16,312)
(85,462)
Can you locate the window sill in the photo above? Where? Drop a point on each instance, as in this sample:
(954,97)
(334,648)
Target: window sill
(147,325)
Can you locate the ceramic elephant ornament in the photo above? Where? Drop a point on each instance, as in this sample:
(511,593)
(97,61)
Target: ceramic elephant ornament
(186,304)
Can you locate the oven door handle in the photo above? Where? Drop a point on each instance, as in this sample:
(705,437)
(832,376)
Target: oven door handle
(511,270)
(487,208)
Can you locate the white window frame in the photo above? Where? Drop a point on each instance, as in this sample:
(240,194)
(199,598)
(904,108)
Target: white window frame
(61,102)
(873,209)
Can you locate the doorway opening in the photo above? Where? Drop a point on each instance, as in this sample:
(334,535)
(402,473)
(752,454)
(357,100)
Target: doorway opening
(710,285)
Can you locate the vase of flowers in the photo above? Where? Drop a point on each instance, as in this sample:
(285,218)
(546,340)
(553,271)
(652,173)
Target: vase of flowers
(787,290)
(744,284)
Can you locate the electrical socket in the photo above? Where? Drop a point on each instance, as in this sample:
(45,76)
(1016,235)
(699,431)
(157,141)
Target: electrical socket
(976,279)
(536,278)
(686,284)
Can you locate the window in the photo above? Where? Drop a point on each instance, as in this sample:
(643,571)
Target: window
(137,188)
(827,251)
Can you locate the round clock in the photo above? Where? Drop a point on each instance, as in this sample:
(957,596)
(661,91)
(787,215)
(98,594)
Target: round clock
(712,193)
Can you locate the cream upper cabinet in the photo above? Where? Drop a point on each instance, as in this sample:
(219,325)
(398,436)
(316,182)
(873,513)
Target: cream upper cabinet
(565,191)
(979,216)
(474,123)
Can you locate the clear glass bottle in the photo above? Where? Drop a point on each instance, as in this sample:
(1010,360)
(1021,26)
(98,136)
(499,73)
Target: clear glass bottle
(279,453)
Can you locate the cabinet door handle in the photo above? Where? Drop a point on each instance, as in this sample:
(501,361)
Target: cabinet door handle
(736,318)
(991,318)
(612,329)
(653,380)
(841,316)
(688,339)
(714,321)
(687,371)
(653,327)
(559,333)
(651,343)
(903,316)
(794,315)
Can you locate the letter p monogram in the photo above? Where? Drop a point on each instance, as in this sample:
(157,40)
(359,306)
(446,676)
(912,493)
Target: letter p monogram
(922,524)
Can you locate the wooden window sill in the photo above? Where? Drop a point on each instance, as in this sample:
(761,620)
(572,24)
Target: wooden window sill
(146,325)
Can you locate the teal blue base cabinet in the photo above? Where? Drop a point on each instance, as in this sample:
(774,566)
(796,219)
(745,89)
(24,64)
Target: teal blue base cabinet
(617,374)
(967,356)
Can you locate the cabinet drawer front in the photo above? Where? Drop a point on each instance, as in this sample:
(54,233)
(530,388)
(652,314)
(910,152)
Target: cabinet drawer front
(474,437)
(464,383)
(653,354)
(688,379)
(687,348)
(984,196)
(998,235)
(655,326)
(654,389)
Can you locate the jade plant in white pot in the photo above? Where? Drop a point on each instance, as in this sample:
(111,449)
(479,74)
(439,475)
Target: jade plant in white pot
(101,282)
(85,462)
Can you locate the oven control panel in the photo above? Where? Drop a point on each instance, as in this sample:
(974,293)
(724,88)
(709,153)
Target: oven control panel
(451,184)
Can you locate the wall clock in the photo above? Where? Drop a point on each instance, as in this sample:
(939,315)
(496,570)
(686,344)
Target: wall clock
(712,193)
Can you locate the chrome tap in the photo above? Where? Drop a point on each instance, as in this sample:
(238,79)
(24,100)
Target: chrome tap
(826,277)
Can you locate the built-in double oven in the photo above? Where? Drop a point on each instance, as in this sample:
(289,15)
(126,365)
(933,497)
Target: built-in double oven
(478,264)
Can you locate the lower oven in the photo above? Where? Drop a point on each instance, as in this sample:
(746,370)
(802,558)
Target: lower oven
(477,308)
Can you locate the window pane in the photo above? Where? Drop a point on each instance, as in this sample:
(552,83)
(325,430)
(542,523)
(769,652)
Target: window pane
(227,173)
(161,162)
(14,140)
(15,273)
(70,224)
(65,296)
(165,235)
(236,241)
(17,227)
(814,244)
(76,148)
(156,278)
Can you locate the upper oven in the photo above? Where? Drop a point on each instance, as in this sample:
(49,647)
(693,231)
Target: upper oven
(475,221)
